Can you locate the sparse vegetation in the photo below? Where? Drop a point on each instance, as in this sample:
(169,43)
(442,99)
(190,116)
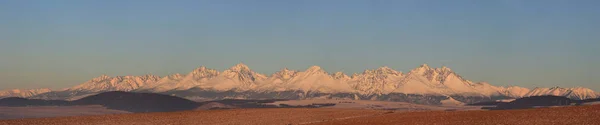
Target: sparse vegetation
(575,115)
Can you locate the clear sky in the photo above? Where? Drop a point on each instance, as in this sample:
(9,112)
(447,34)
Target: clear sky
(528,43)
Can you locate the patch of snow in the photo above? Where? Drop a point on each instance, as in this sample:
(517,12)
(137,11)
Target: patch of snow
(573,93)
(452,102)
(24,93)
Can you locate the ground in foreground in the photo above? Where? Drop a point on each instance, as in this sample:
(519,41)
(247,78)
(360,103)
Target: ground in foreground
(580,115)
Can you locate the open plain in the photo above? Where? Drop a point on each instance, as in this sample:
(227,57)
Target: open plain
(574,115)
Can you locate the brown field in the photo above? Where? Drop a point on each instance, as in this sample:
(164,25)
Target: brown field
(577,115)
(54,111)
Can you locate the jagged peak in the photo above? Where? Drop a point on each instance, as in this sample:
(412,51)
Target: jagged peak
(240,67)
(150,76)
(381,71)
(424,65)
(284,71)
(101,77)
(175,76)
(315,69)
(201,68)
(386,70)
(444,68)
(421,69)
(354,75)
(340,75)
(202,71)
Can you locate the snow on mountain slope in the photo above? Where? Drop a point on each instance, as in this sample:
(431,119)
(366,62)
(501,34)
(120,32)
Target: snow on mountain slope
(378,81)
(573,93)
(171,82)
(452,102)
(199,77)
(445,76)
(341,76)
(414,83)
(119,83)
(277,81)
(488,89)
(582,93)
(515,91)
(423,80)
(238,77)
(313,79)
(23,92)
(426,80)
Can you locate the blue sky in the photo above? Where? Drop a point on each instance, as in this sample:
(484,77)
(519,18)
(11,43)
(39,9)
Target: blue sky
(527,43)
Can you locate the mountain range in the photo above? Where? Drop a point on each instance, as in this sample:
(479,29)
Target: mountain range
(423,85)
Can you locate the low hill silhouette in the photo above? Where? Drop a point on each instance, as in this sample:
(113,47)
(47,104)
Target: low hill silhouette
(138,102)
(535,101)
(117,100)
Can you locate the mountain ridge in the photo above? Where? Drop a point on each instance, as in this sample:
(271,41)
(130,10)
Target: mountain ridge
(382,83)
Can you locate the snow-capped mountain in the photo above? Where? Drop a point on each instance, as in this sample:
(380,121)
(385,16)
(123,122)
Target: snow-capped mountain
(378,81)
(421,85)
(171,82)
(119,83)
(515,91)
(437,81)
(573,93)
(198,77)
(23,92)
(341,76)
(313,79)
(511,91)
(277,80)
(238,78)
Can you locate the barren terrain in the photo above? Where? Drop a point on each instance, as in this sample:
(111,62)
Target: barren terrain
(576,115)
(54,111)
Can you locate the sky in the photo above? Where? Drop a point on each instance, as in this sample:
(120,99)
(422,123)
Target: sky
(529,43)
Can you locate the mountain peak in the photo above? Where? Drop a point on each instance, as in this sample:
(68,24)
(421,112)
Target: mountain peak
(201,68)
(315,69)
(100,78)
(444,68)
(424,65)
(202,71)
(150,76)
(421,69)
(239,67)
(340,75)
(175,76)
(285,73)
(384,68)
